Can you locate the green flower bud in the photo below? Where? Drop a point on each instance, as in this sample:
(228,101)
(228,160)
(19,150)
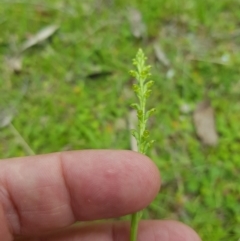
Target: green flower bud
(133,73)
(145,134)
(149,84)
(135,106)
(150,112)
(135,134)
(136,88)
(147,93)
(139,114)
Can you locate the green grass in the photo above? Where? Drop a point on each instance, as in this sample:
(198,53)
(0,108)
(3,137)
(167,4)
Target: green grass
(78,91)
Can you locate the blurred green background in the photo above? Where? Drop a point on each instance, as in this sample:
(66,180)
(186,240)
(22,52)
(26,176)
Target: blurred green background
(73,91)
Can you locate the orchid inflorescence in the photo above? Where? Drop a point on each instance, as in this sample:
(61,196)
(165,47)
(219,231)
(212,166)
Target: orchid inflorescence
(143,90)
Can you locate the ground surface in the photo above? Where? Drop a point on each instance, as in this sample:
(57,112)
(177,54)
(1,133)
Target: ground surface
(73,92)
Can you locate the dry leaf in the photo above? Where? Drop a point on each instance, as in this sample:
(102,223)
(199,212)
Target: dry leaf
(170,73)
(160,55)
(138,27)
(14,64)
(120,124)
(204,122)
(39,37)
(185,108)
(127,93)
(132,122)
(6,117)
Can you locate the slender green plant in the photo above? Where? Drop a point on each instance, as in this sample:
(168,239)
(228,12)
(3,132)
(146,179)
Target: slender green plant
(142,88)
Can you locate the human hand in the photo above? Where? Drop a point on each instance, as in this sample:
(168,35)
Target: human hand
(42,196)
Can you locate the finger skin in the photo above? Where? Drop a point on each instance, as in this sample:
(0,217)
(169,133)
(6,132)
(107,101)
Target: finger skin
(4,231)
(119,231)
(47,192)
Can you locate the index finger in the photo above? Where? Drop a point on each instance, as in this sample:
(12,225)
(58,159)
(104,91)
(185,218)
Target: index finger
(47,192)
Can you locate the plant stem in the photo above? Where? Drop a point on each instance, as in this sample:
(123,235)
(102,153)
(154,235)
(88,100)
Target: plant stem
(134,226)
(142,89)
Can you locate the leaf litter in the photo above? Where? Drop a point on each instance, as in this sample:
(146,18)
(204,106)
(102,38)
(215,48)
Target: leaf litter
(138,27)
(14,61)
(39,37)
(204,122)
(160,55)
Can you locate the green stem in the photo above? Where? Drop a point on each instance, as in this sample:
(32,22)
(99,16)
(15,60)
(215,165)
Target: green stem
(142,90)
(134,227)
